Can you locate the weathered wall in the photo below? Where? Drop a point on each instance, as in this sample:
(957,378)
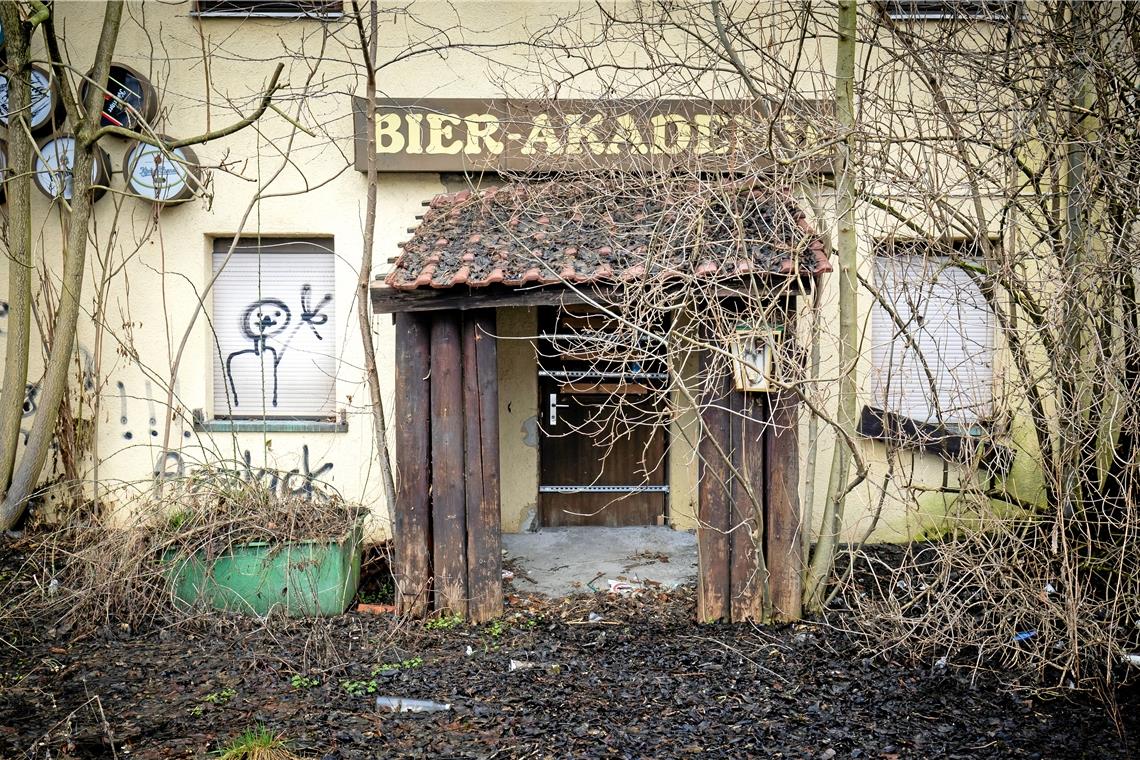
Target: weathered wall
(209,71)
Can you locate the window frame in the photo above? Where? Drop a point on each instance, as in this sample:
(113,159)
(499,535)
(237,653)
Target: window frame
(317,10)
(218,420)
(949,10)
(895,424)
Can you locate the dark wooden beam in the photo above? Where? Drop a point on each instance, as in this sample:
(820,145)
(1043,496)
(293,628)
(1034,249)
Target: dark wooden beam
(449,509)
(785,552)
(748,572)
(412,518)
(484,536)
(386,300)
(714,491)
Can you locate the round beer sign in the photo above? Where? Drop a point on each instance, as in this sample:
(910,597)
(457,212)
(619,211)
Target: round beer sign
(129,100)
(53,168)
(43,103)
(162,176)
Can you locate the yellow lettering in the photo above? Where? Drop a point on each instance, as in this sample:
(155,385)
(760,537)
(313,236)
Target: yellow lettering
(627,133)
(439,129)
(482,126)
(580,130)
(709,137)
(542,132)
(415,133)
(388,136)
(682,133)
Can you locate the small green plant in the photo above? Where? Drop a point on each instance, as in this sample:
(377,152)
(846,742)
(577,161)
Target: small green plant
(219,698)
(303,682)
(496,628)
(257,744)
(178,519)
(408,664)
(196,710)
(444,623)
(359,688)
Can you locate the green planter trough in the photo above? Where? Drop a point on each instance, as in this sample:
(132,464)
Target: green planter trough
(300,578)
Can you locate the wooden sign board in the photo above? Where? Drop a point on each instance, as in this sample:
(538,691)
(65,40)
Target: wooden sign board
(452,135)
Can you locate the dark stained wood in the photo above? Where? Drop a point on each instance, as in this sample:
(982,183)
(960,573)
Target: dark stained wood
(785,553)
(412,519)
(386,300)
(748,581)
(713,493)
(484,538)
(592,444)
(449,509)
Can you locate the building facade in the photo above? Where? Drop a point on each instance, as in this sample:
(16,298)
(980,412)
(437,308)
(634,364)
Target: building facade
(222,331)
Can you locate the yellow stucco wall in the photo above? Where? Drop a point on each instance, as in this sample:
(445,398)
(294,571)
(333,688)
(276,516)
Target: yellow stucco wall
(277,180)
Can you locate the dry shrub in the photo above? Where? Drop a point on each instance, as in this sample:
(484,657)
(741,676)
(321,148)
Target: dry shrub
(91,575)
(1043,601)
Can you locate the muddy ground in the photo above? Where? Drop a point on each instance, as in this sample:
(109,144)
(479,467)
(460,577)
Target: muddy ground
(592,676)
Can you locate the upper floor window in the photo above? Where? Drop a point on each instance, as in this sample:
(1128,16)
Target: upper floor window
(275,329)
(938,10)
(319,9)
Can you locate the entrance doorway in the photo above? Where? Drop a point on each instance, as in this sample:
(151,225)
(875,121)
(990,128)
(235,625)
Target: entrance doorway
(603,422)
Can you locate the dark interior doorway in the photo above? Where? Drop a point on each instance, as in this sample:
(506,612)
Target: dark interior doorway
(602,416)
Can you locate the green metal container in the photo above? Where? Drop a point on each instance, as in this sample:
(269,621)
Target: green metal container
(300,578)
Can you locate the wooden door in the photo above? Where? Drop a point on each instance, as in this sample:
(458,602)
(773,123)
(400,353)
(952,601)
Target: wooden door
(603,443)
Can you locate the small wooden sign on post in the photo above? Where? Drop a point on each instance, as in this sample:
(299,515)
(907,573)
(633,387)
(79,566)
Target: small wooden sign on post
(754,357)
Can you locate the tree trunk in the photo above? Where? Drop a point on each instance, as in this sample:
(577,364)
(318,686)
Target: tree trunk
(27,472)
(364,276)
(846,246)
(19,192)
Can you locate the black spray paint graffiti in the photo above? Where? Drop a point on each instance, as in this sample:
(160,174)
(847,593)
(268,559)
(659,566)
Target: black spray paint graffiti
(303,482)
(269,318)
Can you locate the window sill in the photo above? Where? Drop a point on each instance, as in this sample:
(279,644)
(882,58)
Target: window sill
(952,443)
(268,425)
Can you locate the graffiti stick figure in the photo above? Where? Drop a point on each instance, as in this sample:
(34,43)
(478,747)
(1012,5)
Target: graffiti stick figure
(262,320)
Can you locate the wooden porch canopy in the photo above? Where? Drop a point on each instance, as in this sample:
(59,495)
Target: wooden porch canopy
(556,242)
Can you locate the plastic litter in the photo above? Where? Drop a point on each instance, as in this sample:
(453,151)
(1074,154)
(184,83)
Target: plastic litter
(595,618)
(508,575)
(521,665)
(1132,659)
(1024,635)
(625,587)
(400,704)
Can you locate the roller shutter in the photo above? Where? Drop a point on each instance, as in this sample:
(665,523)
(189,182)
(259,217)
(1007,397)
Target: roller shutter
(945,314)
(274,326)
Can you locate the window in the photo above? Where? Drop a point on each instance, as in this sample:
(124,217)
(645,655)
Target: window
(319,9)
(275,329)
(938,10)
(943,372)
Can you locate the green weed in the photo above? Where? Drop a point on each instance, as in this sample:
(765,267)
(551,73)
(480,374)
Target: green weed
(359,688)
(444,623)
(257,744)
(303,682)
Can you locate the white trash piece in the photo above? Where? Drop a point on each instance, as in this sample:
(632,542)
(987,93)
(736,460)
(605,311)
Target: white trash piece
(400,704)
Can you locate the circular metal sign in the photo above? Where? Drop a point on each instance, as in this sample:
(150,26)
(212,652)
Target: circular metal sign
(52,172)
(129,100)
(43,99)
(162,176)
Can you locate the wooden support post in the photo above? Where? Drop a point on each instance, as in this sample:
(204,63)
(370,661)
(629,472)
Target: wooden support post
(412,520)
(713,494)
(449,509)
(785,549)
(749,579)
(484,536)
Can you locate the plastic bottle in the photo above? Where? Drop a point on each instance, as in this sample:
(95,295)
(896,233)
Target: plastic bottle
(401,704)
